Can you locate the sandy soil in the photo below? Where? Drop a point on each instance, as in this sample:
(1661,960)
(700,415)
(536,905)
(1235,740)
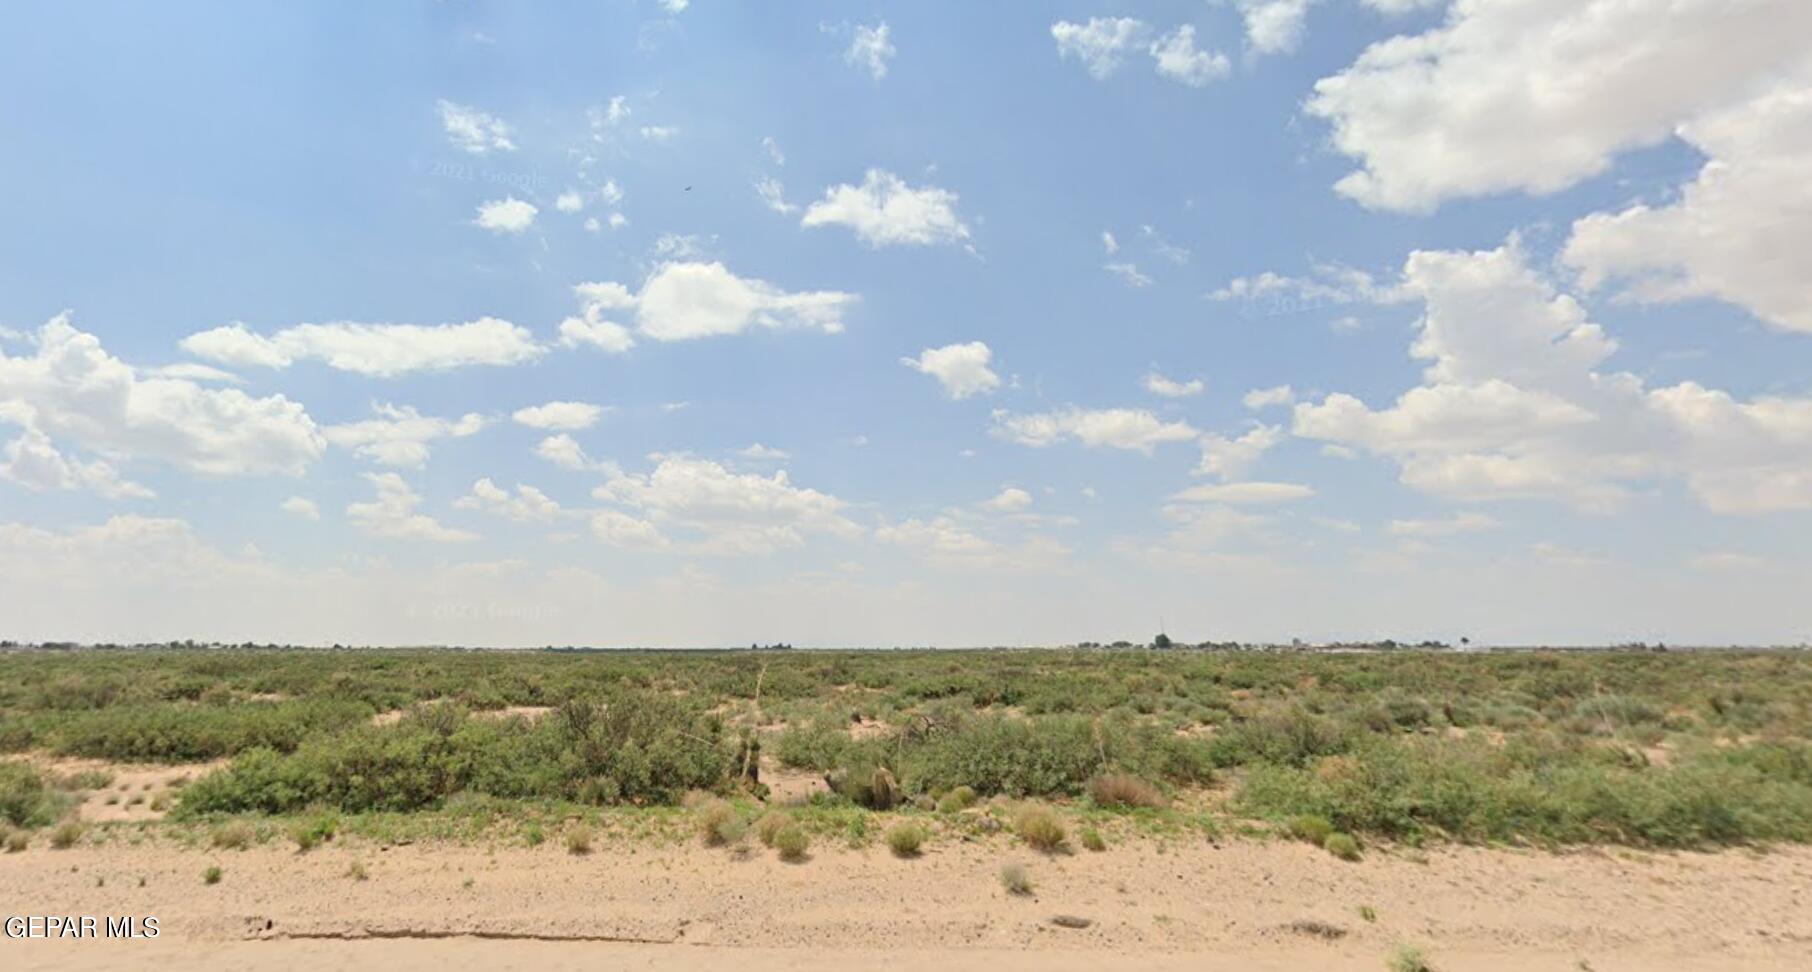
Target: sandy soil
(1241,904)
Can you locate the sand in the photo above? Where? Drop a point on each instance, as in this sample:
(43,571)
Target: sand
(1239,903)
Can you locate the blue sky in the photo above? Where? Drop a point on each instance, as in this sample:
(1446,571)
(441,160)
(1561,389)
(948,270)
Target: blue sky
(1518,284)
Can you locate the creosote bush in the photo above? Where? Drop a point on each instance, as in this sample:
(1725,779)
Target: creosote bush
(906,838)
(25,800)
(1343,846)
(959,798)
(1311,828)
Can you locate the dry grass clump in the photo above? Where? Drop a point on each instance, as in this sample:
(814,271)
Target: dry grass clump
(1092,839)
(1015,878)
(906,838)
(1407,958)
(1343,846)
(960,798)
(792,843)
(356,871)
(1123,790)
(1040,827)
(719,824)
(211,875)
(770,824)
(66,834)
(578,839)
(16,840)
(234,835)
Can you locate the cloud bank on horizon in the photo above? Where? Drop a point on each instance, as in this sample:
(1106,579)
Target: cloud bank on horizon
(668,324)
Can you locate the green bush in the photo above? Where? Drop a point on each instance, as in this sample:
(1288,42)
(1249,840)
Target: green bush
(1040,828)
(1312,828)
(905,839)
(958,799)
(769,825)
(1343,846)
(1092,840)
(792,843)
(719,824)
(25,801)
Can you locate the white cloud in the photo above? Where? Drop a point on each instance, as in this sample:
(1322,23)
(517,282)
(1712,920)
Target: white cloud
(374,350)
(301,507)
(526,505)
(675,6)
(564,451)
(1724,560)
(1514,405)
(614,528)
(392,514)
(772,147)
(508,215)
(1451,526)
(871,50)
(1099,44)
(1178,59)
(683,301)
(1395,8)
(947,543)
(192,371)
(1168,388)
(1127,272)
(885,211)
(659,133)
(473,130)
(1244,494)
(559,415)
(570,201)
(1537,95)
(1132,429)
(1741,232)
(731,513)
(761,453)
(592,328)
(1231,458)
(773,195)
(400,435)
(70,389)
(1010,499)
(1274,26)
(961,368)
(1329,284)
(1108,243)
(1259,398)
(34,463)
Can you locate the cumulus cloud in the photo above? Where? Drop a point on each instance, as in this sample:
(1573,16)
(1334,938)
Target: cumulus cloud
(1232,458)
(1274,26)
(570,201)
(568,416)
(1133,429)
(508,215)
(761,453)
(1010,499)
(1178,59)
(1536,95)
(870,50)
(728,513)
(1259,398)
(1516,403)
(564,451)
(302,507)
(72,391)
(474,131)
(885,211)
(1101,44)
(526,505)
(400,435)
(374,350)
(687,300)
(33,462)
(392,514)
(961,368)
(1741,232)
(593,327)
(1167,388)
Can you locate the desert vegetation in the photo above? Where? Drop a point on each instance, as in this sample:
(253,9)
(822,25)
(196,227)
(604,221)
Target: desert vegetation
(1678,749)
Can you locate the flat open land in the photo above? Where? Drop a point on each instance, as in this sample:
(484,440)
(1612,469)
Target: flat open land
(866,810)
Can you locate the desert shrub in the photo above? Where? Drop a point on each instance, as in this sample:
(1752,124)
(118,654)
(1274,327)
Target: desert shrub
(1293,737)
(1123,790)
(66,834)
(1407,958)
(357,872)
(906,838)
(993,754)
(1015,878)
(1343,846)
(1092,840)
(959,798)
(792,843)
(85,780)
(578,839)
(164,732)
(720,824)
(640,747)
(211,876)
(867,785)
(234,835)
(15,839)
(24,799)
(1311,828)
(1040,828)
(769,825)
(817,746)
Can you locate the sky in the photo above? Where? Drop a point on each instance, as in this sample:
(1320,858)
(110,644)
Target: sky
(654,322)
